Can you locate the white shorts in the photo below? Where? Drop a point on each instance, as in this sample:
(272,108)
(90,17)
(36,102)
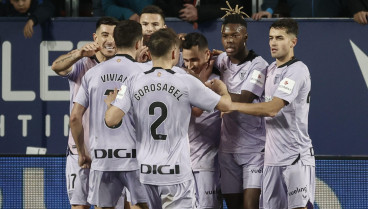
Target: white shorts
(106,187)
(171,197)
(207,189)
(76,181)
(240,171)
(291,186)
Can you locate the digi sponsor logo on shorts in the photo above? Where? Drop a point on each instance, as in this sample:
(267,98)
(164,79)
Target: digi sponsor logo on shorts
(115,153)
(159,169)
(298,190)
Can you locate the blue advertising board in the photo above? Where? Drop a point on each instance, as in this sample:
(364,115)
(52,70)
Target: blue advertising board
(39,182)
(34,103)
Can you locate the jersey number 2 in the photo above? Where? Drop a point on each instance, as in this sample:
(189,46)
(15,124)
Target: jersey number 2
(159,120)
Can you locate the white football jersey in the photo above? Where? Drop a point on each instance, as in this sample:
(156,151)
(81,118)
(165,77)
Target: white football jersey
(162,101)
(111,149)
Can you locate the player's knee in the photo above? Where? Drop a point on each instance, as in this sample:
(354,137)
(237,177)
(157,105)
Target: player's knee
(142,205)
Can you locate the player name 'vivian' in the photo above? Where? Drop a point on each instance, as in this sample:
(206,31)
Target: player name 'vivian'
(113,77)
(159,87)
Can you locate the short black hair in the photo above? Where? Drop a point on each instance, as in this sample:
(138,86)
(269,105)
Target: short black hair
(162,41)
(152,9)
(195,39)
(290,25)
(126,33)
(235,19)
(106,21)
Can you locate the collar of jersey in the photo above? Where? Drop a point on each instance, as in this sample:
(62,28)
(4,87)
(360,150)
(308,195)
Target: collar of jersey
(290,62)
(251,56)
(95,58)
(155,68)
(127,56)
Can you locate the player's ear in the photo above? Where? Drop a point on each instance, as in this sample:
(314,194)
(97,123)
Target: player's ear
(294,41)
(94,36)
(208,55)
(173,54)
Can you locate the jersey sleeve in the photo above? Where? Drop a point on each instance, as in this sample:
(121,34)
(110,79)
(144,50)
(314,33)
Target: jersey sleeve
(255,82)
(77,68)
(293,81)
(82,97)
(123,99)
(201,96)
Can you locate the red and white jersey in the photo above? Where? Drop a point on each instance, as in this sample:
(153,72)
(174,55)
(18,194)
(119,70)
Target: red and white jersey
(241,133)
(74,77)
(111,149)
(162,101)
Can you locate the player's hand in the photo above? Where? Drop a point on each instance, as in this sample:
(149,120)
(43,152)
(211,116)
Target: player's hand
(191,72)
(143,54)
(216,52)
(217,86)
(88,50)
(196,112)
(84,161)
(189,13)
(181,36)
(111,97)
(259,15)
(207,71)
(134,17)
(28,29)
(361,17)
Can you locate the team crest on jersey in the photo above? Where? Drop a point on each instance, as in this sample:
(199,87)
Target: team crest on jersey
(242,75)
(286,85)
(118,60)
(159,74)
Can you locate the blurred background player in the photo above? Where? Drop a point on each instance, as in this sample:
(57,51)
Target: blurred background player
(243,136)
(73,66)
(113,150)
(289,172)
(359,10)
(37,12)
(152,19)
(161,100)
(204,127)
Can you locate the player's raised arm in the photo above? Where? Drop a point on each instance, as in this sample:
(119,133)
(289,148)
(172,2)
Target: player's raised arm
(63,64)
(113,116)
(268,109)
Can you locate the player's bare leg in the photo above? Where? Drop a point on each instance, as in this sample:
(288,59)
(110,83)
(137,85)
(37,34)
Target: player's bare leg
(234,201)
(127,204)
(251,198)
(80,207)
(139,206)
